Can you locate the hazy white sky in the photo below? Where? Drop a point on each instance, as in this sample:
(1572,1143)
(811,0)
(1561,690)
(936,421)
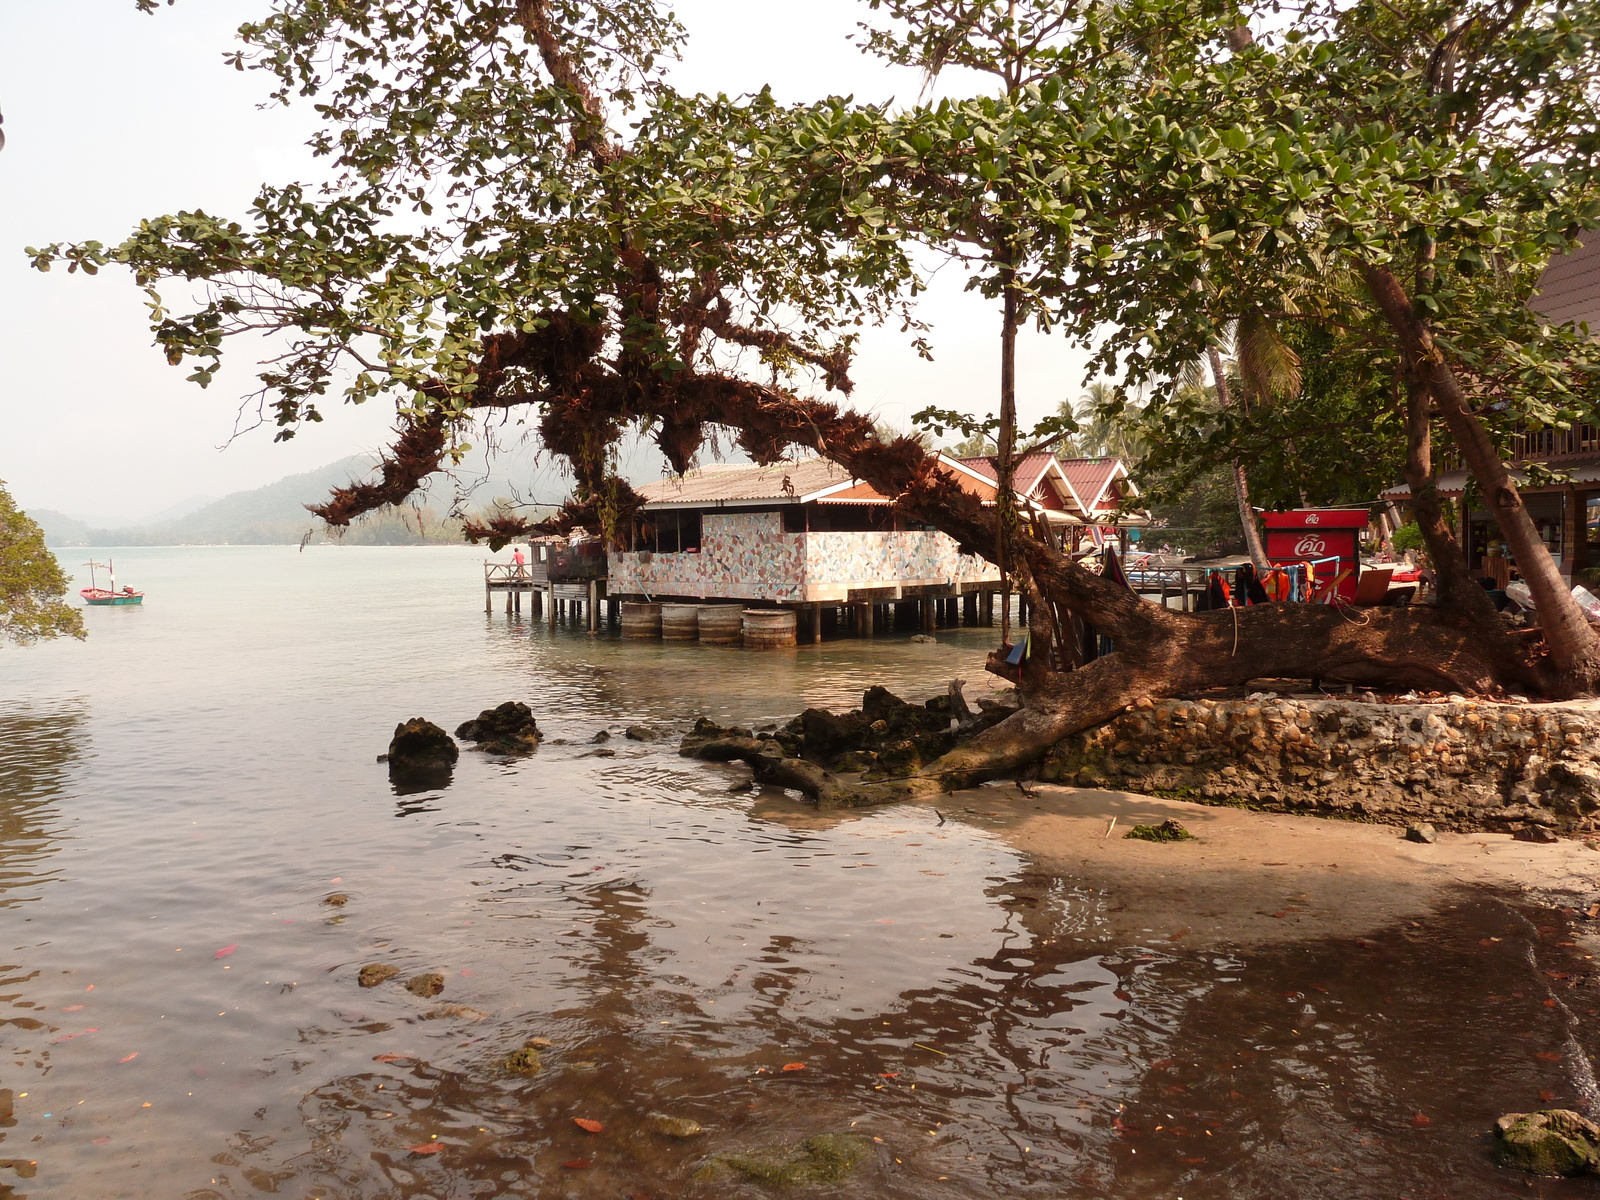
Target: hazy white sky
(111,116)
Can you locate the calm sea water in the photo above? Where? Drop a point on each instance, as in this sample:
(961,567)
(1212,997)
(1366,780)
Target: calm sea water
(181,1014)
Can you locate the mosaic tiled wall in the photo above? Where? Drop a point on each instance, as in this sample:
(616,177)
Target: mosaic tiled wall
(747,556)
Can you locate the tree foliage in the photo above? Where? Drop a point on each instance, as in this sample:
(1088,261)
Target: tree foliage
(32,585)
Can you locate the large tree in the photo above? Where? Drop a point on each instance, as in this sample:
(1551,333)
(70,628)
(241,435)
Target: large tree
(32,585)
(530,221)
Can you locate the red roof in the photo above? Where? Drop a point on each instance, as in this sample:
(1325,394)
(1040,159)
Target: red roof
(1091,478)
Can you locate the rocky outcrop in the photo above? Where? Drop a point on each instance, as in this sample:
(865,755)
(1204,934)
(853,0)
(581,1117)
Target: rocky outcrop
(508,728)
(1553,1142)
(1459,764)
(420,748)
(886,738)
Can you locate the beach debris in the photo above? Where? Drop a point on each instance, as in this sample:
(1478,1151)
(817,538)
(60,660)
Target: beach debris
(426,1148)
(507,728)
(825,1158)
(525,1061)
(1168,831)
(392,1058)
(336,900)
(427,985)
(1553,1141)
(375,973)
(421,748)
(226,950)
(674,1127)
(794,1066)
(1421,831)
(587,1125)
(923,639)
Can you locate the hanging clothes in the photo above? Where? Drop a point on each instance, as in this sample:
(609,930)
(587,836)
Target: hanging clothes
(1217,594)
(1111,568)
(1247,586)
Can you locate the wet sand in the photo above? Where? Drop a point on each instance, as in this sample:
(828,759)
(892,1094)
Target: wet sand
(1249,878)
(1252,878)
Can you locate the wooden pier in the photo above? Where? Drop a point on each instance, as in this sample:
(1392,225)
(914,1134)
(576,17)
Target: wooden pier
(561,583)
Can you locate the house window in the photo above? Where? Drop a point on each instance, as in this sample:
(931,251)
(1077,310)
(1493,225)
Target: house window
(671,532)
(850,518)
(794,518)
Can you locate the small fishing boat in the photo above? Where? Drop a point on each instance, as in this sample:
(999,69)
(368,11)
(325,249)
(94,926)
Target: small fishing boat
(95,594)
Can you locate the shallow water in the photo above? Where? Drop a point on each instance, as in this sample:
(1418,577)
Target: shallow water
(180,795)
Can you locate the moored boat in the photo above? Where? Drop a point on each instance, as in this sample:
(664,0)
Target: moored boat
(99,596)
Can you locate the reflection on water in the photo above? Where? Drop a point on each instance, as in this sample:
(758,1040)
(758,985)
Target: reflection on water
(185,1017)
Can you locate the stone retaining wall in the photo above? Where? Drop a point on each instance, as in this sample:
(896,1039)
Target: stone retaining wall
(1460,765)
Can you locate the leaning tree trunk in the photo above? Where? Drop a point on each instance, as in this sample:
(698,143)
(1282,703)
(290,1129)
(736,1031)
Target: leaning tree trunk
(1574,647)
(1241,485)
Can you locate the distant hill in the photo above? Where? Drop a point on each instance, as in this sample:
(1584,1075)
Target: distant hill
(276,514)
(270,515)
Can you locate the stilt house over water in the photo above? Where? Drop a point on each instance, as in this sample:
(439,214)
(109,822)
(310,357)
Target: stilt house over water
(805,534)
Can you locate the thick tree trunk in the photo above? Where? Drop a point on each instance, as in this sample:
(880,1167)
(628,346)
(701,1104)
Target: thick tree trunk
(1241,485)
(1574,647)
(1006,444)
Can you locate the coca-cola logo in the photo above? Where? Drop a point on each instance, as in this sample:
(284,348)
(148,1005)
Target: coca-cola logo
(1313,519)
(1311,546)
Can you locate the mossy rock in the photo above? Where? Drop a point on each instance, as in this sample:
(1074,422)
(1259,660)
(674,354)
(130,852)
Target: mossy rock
(427,986)
(1552,1142)
(825,1158)
(674,1127)
(1167,831)
(526,1061)
(375,973)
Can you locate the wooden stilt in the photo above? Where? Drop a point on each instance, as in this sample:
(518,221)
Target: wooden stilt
(816,622)
(488,601)
(593,606)
(553,603)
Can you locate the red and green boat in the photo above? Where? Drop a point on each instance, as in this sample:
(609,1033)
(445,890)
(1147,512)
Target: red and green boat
(97,595)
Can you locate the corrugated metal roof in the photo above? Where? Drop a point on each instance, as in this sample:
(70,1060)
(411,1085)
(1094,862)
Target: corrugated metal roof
(1453,483)
(732,483)
(1569,289)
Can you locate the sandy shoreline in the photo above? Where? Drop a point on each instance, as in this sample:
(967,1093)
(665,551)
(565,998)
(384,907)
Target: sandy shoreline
(1249,878)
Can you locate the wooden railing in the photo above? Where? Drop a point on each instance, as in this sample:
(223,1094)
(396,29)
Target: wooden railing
(1545,445)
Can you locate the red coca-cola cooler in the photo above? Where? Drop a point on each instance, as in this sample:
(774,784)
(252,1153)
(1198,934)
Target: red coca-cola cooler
(1307,534)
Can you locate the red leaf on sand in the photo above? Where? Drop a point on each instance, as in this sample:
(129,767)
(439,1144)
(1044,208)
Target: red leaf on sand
(67,1037)
(578,1164)
(1548,1056)
(1547,1097)
(427,1148)
(102,1141)
(390,1057)
(129,1058)
(1421,1122)
(794,1066)
(226,950)
(73,1008)
(889,1075)
(588,1126)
